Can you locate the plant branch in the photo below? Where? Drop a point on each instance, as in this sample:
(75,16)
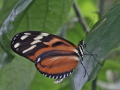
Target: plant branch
(94,84)
(80,17)
(101,2)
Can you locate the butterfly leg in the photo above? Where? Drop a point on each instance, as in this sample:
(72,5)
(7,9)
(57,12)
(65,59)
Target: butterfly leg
(85,70)
(93,55)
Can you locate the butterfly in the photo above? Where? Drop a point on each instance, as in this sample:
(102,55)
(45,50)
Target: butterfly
(53,56)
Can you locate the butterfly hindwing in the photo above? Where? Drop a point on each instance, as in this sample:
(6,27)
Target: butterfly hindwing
(53,56)
(57,63)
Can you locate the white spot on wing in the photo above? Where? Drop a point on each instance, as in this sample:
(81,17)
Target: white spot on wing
(41,36)
(67,74)
(16,45)
(64,76)
(61,76)
(17,35)
(44,34)
(29,49)
(14,38)
(27,33)
(24,37)
(53,77)
(57,77)
(75,50)
(75,58)
(45,75)
(38,37)
(59,80)
(34,42)
(38,60)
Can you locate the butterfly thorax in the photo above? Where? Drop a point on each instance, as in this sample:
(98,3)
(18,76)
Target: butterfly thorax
(81,45)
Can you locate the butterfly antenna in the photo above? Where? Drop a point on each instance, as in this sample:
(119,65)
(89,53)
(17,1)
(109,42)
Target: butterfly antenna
(94,28)
(87,31)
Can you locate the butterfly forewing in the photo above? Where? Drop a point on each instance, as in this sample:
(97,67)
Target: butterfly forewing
(53,56)
(27,43)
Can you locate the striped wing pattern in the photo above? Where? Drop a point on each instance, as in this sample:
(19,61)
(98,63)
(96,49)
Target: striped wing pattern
(54,57)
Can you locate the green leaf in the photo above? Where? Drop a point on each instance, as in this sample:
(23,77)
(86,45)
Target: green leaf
(104,37)
(74,34)
(112,65)
(17,75)
(90,11)
(41,83)
(6,58)
(5,9)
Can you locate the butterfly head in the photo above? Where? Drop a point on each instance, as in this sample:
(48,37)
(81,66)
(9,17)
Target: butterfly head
(81,45)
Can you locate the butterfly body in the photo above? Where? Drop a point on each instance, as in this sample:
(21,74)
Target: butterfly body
(54,57)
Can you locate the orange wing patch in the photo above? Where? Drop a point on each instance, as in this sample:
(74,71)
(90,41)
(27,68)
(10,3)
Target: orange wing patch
(40,51)
(56,39)
(58,65)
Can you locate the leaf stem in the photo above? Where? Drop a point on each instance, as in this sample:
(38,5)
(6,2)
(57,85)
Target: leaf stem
(94,84)
(99,15)
(101,2)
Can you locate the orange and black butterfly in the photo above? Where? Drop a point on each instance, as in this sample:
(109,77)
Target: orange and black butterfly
(54,57)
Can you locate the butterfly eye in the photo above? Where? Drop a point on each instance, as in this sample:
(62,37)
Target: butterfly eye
(81,43)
